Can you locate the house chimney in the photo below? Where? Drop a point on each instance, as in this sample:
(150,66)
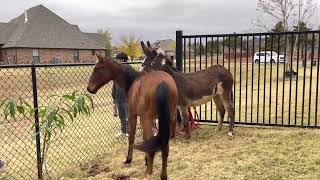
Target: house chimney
(25,16)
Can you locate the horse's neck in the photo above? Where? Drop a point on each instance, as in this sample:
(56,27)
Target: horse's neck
(126,78)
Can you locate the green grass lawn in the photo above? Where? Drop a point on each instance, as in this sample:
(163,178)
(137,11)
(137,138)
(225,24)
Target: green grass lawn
(254,153)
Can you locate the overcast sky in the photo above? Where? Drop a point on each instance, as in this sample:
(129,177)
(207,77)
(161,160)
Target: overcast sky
(148,19)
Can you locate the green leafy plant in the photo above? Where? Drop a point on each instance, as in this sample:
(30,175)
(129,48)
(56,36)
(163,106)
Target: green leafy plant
(53,118)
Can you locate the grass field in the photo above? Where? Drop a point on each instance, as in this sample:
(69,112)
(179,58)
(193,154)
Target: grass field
(254,153)
(89,137)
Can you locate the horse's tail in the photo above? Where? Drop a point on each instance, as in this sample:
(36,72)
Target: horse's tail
(162,139)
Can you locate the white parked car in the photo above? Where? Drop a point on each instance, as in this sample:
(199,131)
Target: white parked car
(268,56)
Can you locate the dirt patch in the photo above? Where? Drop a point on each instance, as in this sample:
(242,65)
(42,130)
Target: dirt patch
(120,177)
(94,169)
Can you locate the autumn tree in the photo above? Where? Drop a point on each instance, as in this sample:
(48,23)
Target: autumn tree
(106,35)
(131,46)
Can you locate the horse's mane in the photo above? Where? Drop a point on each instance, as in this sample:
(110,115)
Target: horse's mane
(130,75)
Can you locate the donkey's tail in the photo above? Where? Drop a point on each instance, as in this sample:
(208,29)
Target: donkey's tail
(162,139)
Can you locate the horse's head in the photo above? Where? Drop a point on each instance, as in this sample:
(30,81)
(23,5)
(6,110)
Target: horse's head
(104,71)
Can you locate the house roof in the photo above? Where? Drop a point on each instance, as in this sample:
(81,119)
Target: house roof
(166,44)
(45,29)
(5,31)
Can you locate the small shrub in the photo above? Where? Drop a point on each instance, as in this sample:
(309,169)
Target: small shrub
(52,118)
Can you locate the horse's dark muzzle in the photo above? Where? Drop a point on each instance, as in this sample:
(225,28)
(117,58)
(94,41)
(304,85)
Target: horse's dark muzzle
(91,91)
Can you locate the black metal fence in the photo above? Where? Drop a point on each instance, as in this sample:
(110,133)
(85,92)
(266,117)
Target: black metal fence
(81,141)
(276,75)
(276,83)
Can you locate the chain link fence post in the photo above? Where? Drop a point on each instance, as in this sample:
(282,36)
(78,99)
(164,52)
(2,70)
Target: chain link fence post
(36,120)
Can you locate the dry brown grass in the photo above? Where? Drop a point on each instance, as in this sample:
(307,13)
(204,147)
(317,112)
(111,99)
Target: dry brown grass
(80,141)
(254,153)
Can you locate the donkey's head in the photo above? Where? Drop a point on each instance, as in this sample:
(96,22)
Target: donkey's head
(104,71)
(150,53)
(153,60)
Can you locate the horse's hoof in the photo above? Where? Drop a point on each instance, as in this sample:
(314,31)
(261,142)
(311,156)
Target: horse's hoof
(163,177)
(230,133)
(128,161)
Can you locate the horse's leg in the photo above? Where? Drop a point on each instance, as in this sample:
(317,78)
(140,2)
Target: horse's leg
(164,154)
(185,120)
(147,124)
(145,138)
(173,123)
(132,120)
(221,111)
(228,105)
(150,157)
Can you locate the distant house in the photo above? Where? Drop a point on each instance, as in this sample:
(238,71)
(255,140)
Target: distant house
(41,36)
(166,47)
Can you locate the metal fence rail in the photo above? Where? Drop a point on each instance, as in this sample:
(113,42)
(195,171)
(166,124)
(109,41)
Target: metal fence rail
(86,138)
(266,90)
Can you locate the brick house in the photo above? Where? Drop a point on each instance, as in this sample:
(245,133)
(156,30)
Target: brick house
(41,36)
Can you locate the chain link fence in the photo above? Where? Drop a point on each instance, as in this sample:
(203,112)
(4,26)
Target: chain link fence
(86,138)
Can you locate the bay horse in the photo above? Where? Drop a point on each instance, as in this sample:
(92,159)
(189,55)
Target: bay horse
(149,95)
(196,88)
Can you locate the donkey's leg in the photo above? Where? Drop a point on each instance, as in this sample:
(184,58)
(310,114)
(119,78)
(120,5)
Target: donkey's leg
(221,111)
(179,120)
(164,154)
(228,105)
(132,119)
(185,120)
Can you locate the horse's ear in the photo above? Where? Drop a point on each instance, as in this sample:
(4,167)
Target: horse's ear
(99,56)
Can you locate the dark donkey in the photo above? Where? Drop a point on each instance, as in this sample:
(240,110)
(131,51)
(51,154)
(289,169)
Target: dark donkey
(196,88)
(150,95)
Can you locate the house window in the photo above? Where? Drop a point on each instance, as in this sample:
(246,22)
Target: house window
(76,56)
(93,52)
(35,56)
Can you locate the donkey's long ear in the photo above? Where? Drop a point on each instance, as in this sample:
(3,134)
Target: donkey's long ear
(99,56)
(145,49)
(152,50)
(149,45)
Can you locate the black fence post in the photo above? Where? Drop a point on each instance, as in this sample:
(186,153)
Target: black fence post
(36,120)
(179,50)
